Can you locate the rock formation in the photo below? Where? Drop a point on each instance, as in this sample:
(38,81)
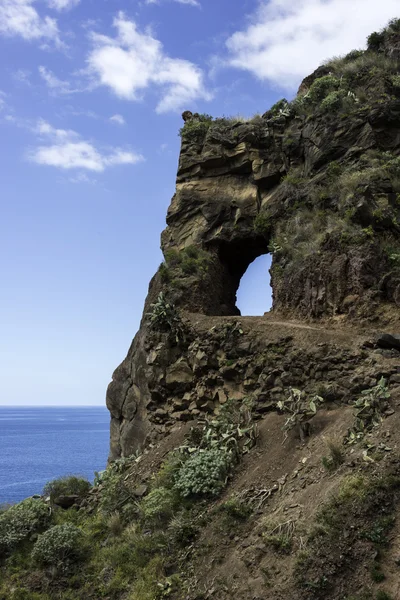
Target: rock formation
(315,182)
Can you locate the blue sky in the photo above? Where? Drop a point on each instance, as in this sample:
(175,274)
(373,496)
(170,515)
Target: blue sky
(91,93)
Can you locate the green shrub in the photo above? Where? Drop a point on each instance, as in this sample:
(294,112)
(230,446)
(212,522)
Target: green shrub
(369,410)
(395,81)
(204,473)
(165,317)
(180,263)
(381,595)
(59,546)
(116,495)
(280,535)
(377,533)
(182,529)
(335,458)
(20,521)
(300,409)
(322,86)
(236,510)
(70,485)
(375,40)
(262,224)
(353,55)
(377,575)
(195,129)
(159,505)
(333,101)
(282,108)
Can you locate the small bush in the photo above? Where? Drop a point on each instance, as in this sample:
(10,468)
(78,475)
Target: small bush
(165,317)
(70,485)
(204,473)
(20,521)
(375,41)
(280,536)
(335,458)
(115,494)
(377,575)
(353,55)
(262,224)
(300,409)
(322,86)
(59,546)
(182,529)
(377,533)
(159,505)
(196,128)
(333,101)
(381,595)
(369,409)
(235,509)
(395,81)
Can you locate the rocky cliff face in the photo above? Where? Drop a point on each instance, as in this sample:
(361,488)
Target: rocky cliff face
(315,182)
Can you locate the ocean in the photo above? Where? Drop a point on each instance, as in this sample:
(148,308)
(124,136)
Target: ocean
(38,444)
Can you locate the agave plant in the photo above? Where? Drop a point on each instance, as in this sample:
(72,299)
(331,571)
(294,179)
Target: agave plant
(165,317)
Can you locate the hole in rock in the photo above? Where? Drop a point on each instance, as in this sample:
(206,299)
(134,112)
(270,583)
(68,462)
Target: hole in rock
(254,296)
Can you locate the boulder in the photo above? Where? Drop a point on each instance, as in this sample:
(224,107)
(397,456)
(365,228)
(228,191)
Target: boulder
(389,341)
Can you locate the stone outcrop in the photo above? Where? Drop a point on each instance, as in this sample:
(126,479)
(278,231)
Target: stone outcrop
(316,183)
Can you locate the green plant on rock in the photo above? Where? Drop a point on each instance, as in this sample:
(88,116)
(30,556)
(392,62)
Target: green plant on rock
(301,410)
(369,410)
(181,263)
(322,86)
(262,224)
(335,458)
(20,521)
(377,533)
(211,453)
(70,485)
(282,108)
(204,473)
(182,528)
(195,129)
(333,101)
(164,317)
(60,546)
(280,535)
(116,496)
(375,40)
(159,505)
(235,510)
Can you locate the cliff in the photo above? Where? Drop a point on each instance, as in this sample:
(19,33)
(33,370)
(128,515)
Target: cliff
(316,183)
(255,458)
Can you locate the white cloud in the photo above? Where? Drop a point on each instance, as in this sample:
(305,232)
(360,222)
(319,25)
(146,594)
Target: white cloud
(56,85)
(83,178)
(134,61)
(20,18)
(63,4)
(118,120)
(188,2)
(2,100)
(22,76)
(65,149)
(287,40)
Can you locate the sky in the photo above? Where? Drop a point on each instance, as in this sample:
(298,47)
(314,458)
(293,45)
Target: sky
(91,96)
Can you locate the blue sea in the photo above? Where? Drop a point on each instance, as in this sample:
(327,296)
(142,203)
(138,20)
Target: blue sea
(38,444)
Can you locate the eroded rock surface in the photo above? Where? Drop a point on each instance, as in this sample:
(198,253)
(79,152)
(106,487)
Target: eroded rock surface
(314,182)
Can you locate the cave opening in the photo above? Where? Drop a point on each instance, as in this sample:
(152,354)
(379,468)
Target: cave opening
(245,278)
(254,295)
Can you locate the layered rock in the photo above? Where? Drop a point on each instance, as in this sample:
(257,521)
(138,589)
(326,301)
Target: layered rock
(316,182)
